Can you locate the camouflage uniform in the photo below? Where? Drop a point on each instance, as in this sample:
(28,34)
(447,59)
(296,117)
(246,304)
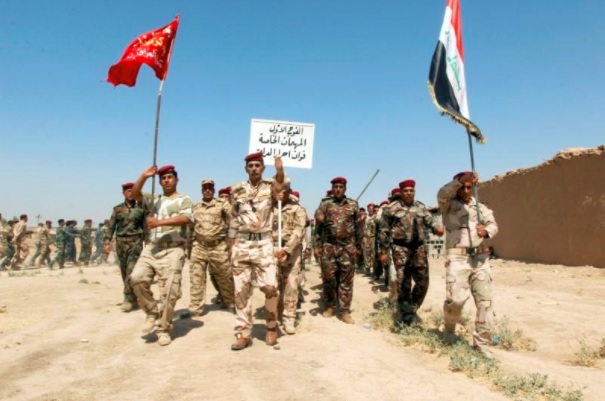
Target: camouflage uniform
(21,247)
(341,236)
(403,231)
(70,234)
(85,243)
(163,257)
(32,261)
(210,252)
(9,249)
(128,223)
(98,244)
(60,237)
(252,252)
(467,267)
(44,247)
(369,244)
(294,219)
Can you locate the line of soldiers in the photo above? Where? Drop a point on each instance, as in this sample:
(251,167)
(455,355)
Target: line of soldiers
(392,240)
(233,237)
(15,249)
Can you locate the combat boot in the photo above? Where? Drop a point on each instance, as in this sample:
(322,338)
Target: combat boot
(127,306)
(346,318)
(328,312)
(150,323)
(164,339)
(271,336)
(241,342)
(289,327)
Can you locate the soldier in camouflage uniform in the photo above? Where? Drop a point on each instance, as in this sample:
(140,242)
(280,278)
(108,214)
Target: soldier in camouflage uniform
(289,254)
(21,247)
(210,250)
(71,232)
(45,245)
(340,247)
(251,247)
(4,229)
(369,240)
(128,224)
(98,243)
(164,256)
(404,231)
(60,244)
(467,267)
(7,239)
(32,261)
(86,242)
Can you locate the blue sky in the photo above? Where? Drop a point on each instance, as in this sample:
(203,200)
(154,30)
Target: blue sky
(358,70)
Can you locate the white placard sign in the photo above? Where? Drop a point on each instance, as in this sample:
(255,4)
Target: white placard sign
(292,141)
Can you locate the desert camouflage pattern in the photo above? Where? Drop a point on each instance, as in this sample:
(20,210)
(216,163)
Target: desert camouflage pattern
(460,219)
(252,207)
(210,253)
(21,247)
(369,244)
(166,207)
(466,275)
(214,260)
(166,265)
(43,251)
(211,220)
(36,244)
(253,260)
(294,220)
(9,248)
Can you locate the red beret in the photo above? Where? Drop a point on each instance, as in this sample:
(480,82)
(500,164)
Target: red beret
(48,222)
(384,203)
(296,193)
(224,191)
(339,180)
(23,216)
(395,191)
(254,157)
(88,221)
(127,185)
(165,169)
(329,192)
(460,174)
(407,183)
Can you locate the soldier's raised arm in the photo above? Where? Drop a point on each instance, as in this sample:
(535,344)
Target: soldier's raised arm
(137,189)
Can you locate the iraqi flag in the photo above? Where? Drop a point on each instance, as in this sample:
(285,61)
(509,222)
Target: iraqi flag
(447,84)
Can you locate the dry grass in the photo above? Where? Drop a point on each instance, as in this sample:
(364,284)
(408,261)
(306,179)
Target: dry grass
(427,337)
(511,340)
(587,356)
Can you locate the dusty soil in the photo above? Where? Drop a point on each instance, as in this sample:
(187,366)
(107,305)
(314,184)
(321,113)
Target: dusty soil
(63,337)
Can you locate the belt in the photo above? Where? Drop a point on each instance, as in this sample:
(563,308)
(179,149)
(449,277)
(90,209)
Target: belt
(130,237)
(168,244)
(466,251)
(210,244)
(407,244)
(253,236)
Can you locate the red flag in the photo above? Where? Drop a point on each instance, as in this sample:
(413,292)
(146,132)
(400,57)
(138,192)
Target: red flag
(151,48)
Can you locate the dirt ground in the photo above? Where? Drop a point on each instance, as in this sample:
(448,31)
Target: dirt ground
(63,337)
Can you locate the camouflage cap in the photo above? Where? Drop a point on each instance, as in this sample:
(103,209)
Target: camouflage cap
(207,181)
